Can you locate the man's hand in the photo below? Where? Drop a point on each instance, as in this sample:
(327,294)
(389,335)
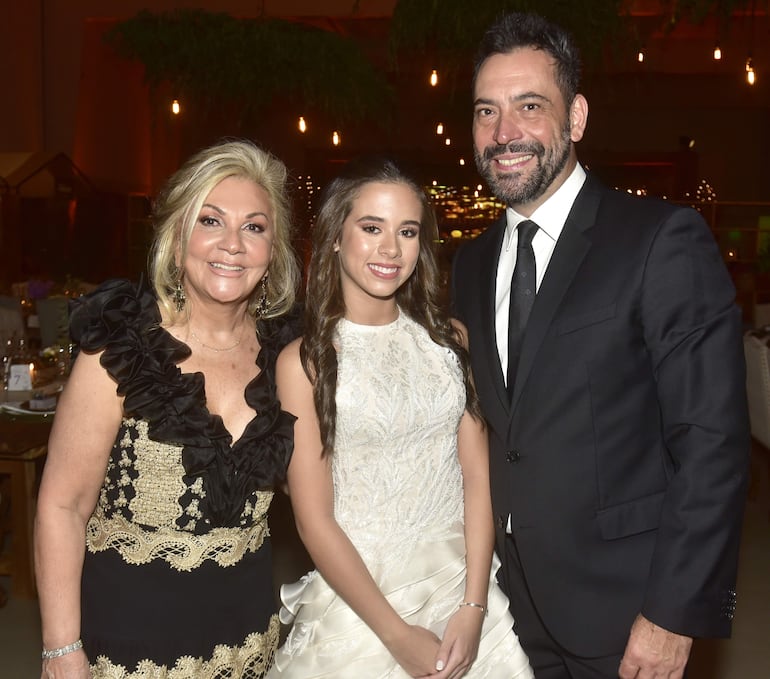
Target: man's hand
(654,652)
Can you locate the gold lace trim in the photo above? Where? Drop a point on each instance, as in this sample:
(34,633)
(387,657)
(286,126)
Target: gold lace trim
(249,661)
(183,551)
(159,482)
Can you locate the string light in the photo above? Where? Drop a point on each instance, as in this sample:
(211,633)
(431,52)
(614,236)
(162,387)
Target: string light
(705,192)
(448,141)
(302,125)
(640,55)
(440,128)
(717,53)
(462,161)
(336,139)
(751,76)
(175,108)
(433,78)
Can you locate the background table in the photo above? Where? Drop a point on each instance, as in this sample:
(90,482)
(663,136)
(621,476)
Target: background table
(23,445)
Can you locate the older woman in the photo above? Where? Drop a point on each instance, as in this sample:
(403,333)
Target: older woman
(151,538)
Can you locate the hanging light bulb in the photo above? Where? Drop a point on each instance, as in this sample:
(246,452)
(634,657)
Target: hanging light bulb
(448,141)
(433,78)
(640,55)
(462,161)
(336,139)
(751,77)
(302,125)
(717,53)
(440,128)
(175,108)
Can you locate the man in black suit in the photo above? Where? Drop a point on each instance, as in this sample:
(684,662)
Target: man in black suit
(614,391)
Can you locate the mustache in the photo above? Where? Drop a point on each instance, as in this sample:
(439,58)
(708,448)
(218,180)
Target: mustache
(533,147)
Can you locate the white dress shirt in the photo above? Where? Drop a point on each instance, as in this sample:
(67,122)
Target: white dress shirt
(550,217)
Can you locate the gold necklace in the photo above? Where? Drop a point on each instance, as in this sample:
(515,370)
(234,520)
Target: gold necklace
(207,346)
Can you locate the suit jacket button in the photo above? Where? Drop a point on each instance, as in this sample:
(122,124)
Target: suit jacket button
(512,456)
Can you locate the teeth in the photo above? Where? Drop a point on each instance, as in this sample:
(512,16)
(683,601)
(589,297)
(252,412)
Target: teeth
(226,267)
(512,162)
(384,269)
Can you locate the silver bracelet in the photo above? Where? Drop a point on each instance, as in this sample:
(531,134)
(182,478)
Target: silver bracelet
(473,605)
(56,652)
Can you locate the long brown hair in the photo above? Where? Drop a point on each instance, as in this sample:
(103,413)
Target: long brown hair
(325,305)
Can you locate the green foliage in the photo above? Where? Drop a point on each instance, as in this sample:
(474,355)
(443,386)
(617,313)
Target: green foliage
(211,57)
(452,29)
(696,11)
(217,60)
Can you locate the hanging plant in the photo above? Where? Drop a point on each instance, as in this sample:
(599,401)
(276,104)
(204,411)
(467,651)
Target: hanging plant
(209,56)
(452,29)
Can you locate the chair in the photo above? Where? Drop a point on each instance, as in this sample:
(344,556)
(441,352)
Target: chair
(757,355)
(11,321)
(757,352)
(53,317)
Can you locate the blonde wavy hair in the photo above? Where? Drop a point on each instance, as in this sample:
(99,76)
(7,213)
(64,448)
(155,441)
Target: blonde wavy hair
(178,206)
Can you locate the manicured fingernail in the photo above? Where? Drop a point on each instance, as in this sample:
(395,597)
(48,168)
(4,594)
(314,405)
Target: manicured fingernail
(439,665)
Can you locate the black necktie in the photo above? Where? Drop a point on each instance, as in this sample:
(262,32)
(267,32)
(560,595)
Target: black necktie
(523,289)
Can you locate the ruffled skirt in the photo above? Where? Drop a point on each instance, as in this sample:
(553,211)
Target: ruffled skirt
(329,640)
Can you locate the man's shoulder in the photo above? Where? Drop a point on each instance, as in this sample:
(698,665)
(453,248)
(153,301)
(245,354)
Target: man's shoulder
(615,200)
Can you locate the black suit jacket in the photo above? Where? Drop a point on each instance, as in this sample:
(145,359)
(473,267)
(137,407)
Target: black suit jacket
(623,456)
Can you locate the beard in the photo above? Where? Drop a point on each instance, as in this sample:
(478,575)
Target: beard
(515,188)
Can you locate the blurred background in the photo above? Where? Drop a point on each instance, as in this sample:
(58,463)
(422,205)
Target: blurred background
(104,100)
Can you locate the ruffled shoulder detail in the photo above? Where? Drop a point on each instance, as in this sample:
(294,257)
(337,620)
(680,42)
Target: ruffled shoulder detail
(122,320)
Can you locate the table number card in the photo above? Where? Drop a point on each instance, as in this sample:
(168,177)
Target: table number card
(19,377)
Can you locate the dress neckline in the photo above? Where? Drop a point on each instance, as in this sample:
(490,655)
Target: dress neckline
(366,327)
(123,320)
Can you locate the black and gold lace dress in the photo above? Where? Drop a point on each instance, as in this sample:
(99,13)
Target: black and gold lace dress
(177,579)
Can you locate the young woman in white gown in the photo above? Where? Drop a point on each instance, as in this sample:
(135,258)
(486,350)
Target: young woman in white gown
(389,478)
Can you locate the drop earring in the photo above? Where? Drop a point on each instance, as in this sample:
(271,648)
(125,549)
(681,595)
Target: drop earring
(263,304)
(179,297)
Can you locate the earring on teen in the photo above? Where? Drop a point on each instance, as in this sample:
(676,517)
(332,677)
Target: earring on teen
(263,304)
(179,297)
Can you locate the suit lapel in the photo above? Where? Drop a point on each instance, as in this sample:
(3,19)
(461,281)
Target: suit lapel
(571,248)
(490,256)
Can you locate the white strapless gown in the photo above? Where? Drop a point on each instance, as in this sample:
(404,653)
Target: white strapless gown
(398,496)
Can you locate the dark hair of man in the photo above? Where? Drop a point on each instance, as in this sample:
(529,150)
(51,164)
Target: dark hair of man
(516,30)
(324,303)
